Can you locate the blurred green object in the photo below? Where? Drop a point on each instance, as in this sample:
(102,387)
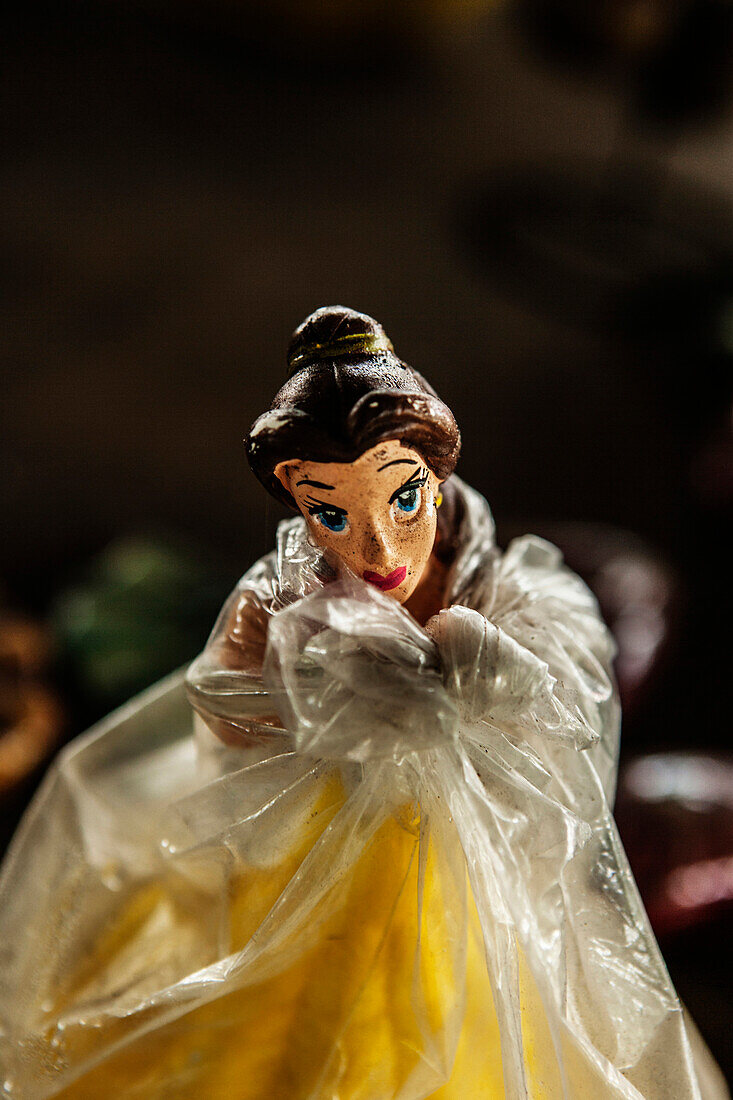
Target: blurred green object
(141,609)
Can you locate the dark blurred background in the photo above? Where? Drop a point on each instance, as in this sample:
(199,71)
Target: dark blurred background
(534,198)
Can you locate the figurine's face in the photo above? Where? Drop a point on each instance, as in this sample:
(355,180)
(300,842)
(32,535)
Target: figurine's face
(378,514)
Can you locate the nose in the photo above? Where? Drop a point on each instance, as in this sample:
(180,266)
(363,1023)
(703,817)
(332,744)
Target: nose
(373,546)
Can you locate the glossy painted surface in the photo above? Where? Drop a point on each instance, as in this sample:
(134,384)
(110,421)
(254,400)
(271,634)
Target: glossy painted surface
(378,515)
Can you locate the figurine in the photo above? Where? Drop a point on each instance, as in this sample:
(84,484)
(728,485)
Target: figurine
(385,866)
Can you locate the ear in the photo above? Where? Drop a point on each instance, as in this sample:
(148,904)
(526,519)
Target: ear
(439,491)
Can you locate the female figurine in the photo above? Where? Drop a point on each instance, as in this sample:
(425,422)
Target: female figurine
(394,874)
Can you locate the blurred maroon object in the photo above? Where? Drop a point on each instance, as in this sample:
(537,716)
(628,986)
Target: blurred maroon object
(675,816)
(638,592)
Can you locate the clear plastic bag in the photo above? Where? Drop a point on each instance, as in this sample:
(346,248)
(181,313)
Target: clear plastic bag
(411,888)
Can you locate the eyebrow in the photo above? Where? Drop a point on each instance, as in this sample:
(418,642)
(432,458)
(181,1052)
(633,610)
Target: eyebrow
(414,481)
(315,484)
(398,462)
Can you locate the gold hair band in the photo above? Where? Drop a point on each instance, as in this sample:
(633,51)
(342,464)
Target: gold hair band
(358,343)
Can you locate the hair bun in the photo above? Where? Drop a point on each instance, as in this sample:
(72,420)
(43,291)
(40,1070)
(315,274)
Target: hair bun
(348,392)
(332,332)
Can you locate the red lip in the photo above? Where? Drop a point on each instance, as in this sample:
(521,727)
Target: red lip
(392,580)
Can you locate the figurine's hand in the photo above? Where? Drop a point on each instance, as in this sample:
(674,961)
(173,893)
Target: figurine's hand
(355,677)
(487,673)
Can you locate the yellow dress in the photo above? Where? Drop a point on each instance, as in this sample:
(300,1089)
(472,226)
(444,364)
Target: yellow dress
(388,997)
(341,1020)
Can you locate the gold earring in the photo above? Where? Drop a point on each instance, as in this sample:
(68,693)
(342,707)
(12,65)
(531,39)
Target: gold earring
(438,500)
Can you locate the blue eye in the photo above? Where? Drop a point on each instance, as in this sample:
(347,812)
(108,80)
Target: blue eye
(408,500)
(331,519)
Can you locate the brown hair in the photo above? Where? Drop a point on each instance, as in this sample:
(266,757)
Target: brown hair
(348,391)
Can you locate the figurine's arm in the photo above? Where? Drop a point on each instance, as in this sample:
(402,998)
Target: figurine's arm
(240,646)
(224,683)
(536,656)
